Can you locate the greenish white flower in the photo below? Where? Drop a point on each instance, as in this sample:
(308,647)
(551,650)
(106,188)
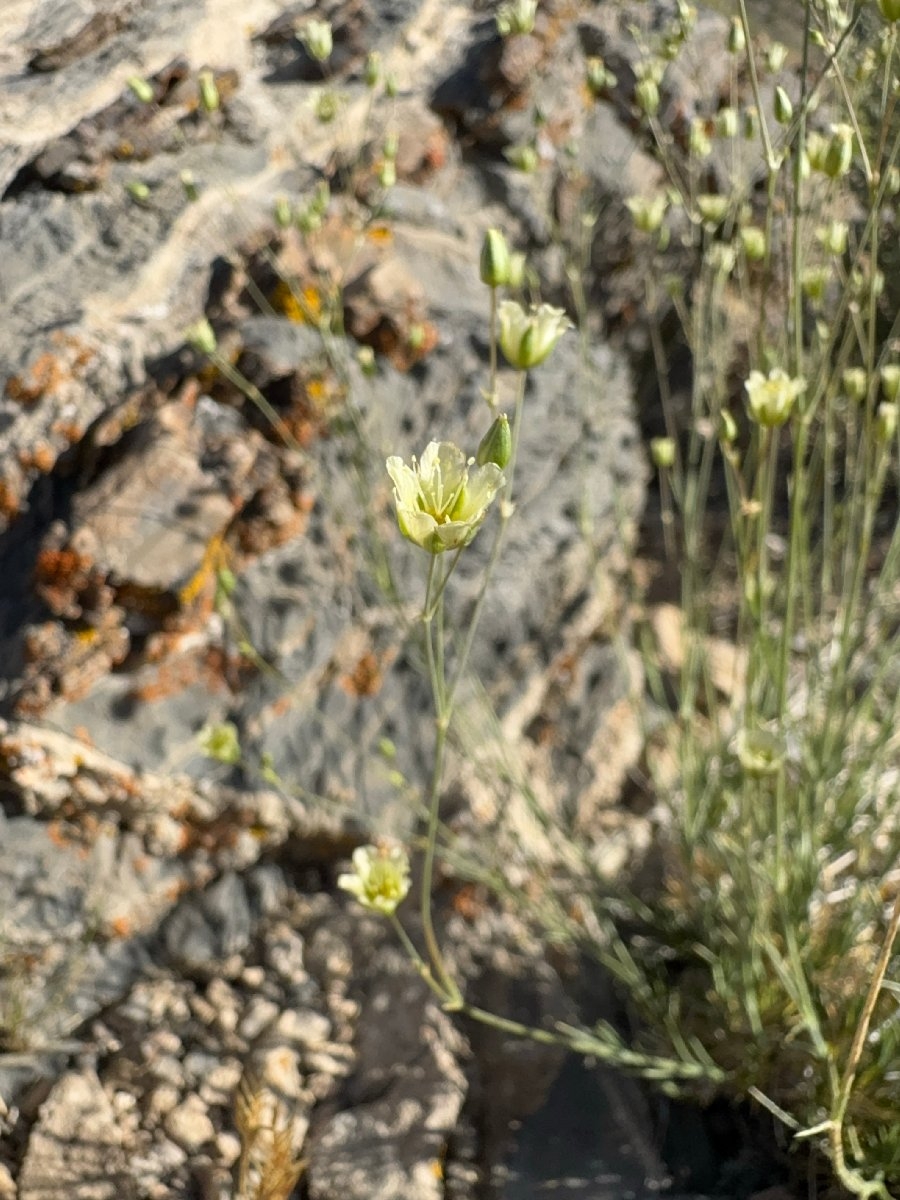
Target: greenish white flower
(890,381)
(759,751)
(317,37)
(886,421)
(527,338)
(713,209)
(855,383)
(753,240)
(772,397)
(379,879)
(663,452)
(221,742)
(442,499)
(648,212)
(516,16)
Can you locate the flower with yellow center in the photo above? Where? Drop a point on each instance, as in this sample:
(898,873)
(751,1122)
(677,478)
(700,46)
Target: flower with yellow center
(442,499)
(771,398)
(379,879)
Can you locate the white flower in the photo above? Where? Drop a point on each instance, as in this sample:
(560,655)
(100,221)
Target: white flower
(317,38)
(772,397)
(442,499)
(526,338)
(380,877)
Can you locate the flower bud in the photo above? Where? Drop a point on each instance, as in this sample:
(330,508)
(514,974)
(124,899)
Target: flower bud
(201,337)
(391,145)
(713,209)
(892,181)
(855,383)
(284,215)
(317,37)
(598,76)
(784,110)
(753,241)
(776,57)
(890,381)
(751,122)
(814,282)
(517,267)
(391,87)
(387,176)
(496,445)
(221,742)
(372,72)
(728,429)
(646,96)
(141,89)
(495,259)
(516,17)
(189,185)
(524,158)
(736,43)
(698,139)
(890,10)
(209,92)
(365,356)
(727,122)
(886,422)
(662,452)
(138,190)
(838,151)
(647,214)
(833,236)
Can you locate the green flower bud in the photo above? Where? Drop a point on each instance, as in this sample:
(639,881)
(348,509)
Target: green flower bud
(523,158)
(647,214)
(391,145)
(814,282)
(753,241)
(317,37)
(598,76)
(728,429)
(890,381)
(662,451)
(698,139)
(751,122)
(890,10)
(209,92)
(721,258)
(516,17)
(189,185)
(727,122)
(327,107)
(221,742)
(138,190)
(784,109)
(816,150)
(284,215)
(855,383)
(495,259)
(892,181)
(496,445)
(372,73)
(736,43)
(141,88)
(839,151)
(517,268)
(776,57)
(886,422)
(391,88)
(713,209)
(833,237)
(387,176)
(365,356)
(201,337)
(646,96)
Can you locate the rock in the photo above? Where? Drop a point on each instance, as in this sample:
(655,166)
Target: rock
(75,1150)
(207,933)
(189,1125)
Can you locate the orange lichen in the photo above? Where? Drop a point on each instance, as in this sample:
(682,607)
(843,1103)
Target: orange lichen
(366,677)
(43,377)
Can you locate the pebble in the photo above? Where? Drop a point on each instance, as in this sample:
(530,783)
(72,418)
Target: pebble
(224,1002)
(189,1125)
(162,1100)
(305,1026)
(259,1015)
(228,1146)
(221,1083)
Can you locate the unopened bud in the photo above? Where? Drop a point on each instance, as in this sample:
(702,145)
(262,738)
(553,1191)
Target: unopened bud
(496,445)
(890,381)
(886,422)
(855,383)
(839,151)
(646,96)
(728,429)
(141,89)
(784,109)
(365,356)
(727,122)
(713,209)
(387,176)
(776,57)
(189,184)
(209,92)
(391,145)
(138,190)
(517,267)
(372,72)
(662,451)
(201,337)
(316,36)
(284,216)
(495,260)
(736,43)
(753,240)
(890,10)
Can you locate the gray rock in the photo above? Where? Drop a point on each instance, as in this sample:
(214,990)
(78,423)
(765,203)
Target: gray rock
(75,1151)
(206,933)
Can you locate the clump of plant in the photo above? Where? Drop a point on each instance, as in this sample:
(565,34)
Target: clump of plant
(765,963)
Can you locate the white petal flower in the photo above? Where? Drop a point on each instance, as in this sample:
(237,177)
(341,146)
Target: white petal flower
(380,877)
(772,397)
(526,338)
(442,499)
